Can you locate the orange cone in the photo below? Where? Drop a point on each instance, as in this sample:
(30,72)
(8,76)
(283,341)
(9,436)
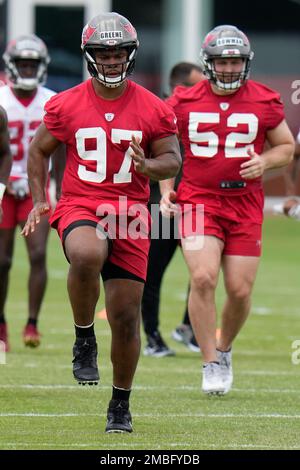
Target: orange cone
(102,314)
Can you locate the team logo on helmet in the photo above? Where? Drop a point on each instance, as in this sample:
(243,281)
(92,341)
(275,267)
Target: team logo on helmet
(87,33)
(129,28)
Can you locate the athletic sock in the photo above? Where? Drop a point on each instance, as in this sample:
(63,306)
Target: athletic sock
(120,393)
(84,331)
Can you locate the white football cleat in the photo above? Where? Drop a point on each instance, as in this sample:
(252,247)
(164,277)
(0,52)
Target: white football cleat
(225,360)
(212,382)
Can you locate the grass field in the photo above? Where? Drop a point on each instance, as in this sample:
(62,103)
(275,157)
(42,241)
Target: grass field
(43,408)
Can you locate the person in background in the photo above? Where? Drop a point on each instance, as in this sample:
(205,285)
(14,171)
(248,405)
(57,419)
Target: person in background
(5,167)
(162,251)
(26,60)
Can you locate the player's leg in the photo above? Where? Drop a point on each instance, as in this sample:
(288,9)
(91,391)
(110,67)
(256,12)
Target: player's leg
(7,236)
(36,247)
(86,253)
(204,266)
(239,276)
(124,277)
(123,304)
(240,263)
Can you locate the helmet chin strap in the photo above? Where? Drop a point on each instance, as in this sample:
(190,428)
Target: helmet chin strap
(110,85)
(228,86)
(111,82)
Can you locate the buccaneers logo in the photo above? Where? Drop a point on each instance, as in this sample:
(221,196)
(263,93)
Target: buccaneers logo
(87,33)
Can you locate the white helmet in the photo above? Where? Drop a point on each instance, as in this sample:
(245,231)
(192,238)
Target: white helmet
(28,47)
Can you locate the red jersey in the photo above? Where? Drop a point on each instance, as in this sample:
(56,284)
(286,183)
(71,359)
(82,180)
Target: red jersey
(216,132)
(97,133)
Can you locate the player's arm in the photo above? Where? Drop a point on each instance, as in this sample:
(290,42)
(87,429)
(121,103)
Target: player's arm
(282,145)
(58,163)
(165,161)
(5,155)
(42,146)
(280,153)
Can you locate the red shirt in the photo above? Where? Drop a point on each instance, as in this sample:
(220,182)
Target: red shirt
(216,132)
(97,133)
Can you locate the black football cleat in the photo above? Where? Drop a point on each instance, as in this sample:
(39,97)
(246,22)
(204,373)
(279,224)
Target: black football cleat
(118,417)
(85,369)
(156,346)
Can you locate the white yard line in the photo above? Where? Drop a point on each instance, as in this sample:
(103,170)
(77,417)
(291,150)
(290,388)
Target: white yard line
(177,370)
(180,445)
(182,388)
(151,415)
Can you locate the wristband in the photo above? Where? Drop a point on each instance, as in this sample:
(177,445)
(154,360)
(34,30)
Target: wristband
(2,189)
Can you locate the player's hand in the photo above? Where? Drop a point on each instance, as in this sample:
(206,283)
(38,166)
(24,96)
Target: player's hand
(34,217)
(137,155)
(167,206)
(254,167)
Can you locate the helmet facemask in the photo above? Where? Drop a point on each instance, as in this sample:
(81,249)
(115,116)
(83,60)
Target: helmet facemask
(24,83)
(227,81)
(101,71)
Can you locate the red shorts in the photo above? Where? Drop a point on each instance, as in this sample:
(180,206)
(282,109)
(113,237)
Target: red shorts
(15,211)
(236,220)
(128,253)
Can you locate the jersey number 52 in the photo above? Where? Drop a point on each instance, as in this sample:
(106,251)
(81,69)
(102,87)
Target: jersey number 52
(211,138)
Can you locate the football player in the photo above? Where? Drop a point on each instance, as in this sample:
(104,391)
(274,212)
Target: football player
(224,122)
(26,59)
(111,127)
(5,163)
(162,250)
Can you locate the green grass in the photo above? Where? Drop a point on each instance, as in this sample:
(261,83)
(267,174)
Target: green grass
(42,407)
